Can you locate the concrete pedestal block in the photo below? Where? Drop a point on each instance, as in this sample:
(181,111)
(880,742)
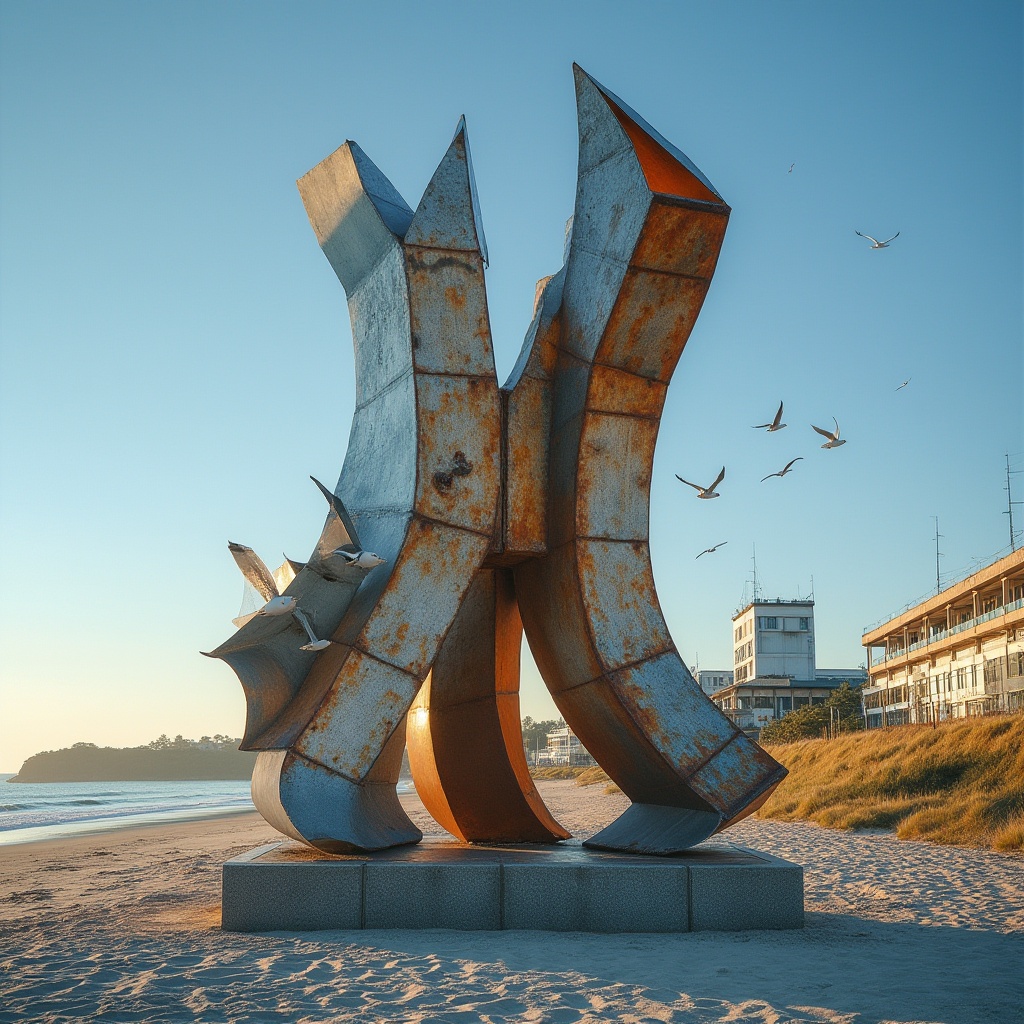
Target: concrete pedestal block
(447,884)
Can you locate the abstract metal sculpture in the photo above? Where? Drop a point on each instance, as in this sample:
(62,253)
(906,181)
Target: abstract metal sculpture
(495,509)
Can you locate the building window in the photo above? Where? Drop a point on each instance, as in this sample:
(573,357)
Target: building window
(803,625)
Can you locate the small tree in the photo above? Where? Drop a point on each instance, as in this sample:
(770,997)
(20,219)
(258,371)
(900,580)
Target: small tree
(811,721)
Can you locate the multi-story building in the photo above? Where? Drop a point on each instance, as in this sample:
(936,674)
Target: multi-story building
(774,639)
(564,747)
(755,703)
(774,666)
(956,654)
(711,680)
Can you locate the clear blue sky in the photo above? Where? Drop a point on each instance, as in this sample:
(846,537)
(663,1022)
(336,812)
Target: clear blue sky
(176,355)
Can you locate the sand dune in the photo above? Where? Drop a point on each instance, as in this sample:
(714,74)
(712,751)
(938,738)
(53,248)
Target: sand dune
(125,927)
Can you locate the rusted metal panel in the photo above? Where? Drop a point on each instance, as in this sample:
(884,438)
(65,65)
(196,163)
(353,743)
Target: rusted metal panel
(651,322)
(556,621)
(616,390)
(625,621)
(423,594)
(358,716)
(665,700)
(459,464)
(526,489)
(613,484)
(678,242)
(737,775)
(447,300)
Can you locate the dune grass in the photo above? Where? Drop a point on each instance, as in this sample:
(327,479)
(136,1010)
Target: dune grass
(961,783)
(558,771)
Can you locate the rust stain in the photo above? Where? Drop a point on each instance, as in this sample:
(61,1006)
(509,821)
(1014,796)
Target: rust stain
(455,297)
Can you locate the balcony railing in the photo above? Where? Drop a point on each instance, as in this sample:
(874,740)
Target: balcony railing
(952,631)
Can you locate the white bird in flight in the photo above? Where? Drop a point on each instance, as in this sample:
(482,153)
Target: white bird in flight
(904,384)
(315,644)
(785,469)
(708,551)
(705,492)
(876,244)
(833,438)
(774,425)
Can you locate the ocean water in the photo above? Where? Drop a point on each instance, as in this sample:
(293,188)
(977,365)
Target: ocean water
(31,811)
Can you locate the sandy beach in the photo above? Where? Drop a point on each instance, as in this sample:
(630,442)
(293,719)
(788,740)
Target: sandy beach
(125,926)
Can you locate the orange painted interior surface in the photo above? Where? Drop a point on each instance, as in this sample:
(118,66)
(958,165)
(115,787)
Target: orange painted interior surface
(664,173)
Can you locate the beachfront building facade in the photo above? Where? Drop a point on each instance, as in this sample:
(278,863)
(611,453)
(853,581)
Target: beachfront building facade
(711,680)
(564,747)
(956,654)
(773,639)
(755,703)
(774,670)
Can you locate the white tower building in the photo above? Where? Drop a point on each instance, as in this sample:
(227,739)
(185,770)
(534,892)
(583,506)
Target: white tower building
(772,639)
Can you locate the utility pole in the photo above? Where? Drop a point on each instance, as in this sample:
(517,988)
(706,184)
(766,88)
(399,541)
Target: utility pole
(1010,503)
(938,584)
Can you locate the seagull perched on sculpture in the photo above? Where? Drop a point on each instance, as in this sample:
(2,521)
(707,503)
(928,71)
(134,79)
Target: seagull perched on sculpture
(708,551)
(875,243)
(785,469)
(833,436)
(775,424)
(705,492)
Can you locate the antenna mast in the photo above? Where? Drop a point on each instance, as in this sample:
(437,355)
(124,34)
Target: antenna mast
(1009,504)
(938,584)
(757,596)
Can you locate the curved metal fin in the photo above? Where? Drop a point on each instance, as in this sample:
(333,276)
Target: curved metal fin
(254,570)
(668,170)
(448,216)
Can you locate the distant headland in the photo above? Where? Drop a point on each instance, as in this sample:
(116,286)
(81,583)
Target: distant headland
(163,760)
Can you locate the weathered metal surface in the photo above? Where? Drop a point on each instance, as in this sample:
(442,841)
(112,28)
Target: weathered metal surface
(464,739)
(484,505)
(590,608)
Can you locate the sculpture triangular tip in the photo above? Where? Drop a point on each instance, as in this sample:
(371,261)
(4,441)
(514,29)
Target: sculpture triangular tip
(666,168)
(448,216)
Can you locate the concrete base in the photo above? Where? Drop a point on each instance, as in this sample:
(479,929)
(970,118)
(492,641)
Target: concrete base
(442,883)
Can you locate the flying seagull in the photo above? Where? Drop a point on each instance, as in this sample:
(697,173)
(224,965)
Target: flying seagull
(705,492)
(708,551)
(876,243)
(315,644)
(833,438)
(790,171)
(785,469)
(774,425)
(904,384)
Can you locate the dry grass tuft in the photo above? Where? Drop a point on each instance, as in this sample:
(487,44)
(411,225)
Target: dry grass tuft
(961,783)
